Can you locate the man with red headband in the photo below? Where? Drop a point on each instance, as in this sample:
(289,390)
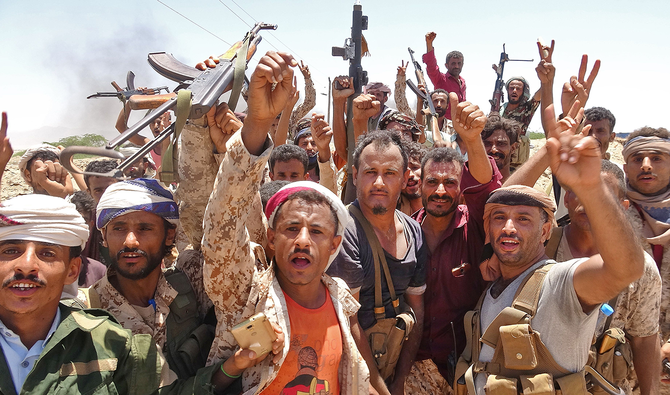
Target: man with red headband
(306,222)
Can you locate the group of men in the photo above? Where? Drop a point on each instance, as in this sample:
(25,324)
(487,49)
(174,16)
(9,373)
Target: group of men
(441,275)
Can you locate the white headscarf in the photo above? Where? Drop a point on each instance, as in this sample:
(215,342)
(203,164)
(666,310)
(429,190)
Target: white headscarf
(42,218)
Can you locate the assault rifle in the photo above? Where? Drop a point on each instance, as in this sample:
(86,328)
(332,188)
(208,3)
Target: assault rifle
(125,94)
(352,51)
(427,99)
(498,95)
(203,88)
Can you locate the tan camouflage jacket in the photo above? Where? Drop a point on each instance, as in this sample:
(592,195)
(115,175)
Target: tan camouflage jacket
(240,282)
(112,301)
(198,165)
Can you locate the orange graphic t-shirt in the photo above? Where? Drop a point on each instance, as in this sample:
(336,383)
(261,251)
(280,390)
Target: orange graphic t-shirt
(313,360)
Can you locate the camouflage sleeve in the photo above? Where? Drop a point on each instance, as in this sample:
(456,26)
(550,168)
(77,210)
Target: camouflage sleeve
(197,171)
(401,98)
(639,305)
(304,107)
(257,225)
(190,263)
(229,263)
(328,175)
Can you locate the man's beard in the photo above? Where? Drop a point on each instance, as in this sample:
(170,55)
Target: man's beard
(153,261)
(379,210)
(515,101)
(441,112)
(439,213)
(411,196)
(500,160)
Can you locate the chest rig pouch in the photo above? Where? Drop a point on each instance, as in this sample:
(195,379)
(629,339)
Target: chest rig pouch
(521,362)
(189,338)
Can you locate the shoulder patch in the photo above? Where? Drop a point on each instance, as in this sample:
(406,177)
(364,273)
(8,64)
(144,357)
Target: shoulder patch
(84,368)
(88,321)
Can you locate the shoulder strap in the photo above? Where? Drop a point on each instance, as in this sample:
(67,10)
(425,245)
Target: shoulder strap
(528,294)
(92,297)
(379,260)
(554,240)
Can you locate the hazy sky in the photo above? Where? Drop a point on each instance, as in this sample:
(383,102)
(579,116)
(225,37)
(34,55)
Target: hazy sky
(55,53)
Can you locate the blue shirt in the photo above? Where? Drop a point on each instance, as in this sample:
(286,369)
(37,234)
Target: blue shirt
(19,359)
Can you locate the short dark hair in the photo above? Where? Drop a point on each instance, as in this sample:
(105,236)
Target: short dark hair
(99,166)
(648,132)
(496,122)
(75,252)
(441,155)
(440,90)
(612,169)
(268,189)
(595,114)
(312,197)
(84,203)
(414,150)
(455,54)
(380,139)
(42,155)
(286,152)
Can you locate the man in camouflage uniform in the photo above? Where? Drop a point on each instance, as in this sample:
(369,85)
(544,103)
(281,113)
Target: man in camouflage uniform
(138,220)
(48,347)
(237,277)
(520,107)
(638,305)
(647,166)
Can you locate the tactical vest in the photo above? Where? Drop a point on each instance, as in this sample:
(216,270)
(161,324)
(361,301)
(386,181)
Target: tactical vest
(610,354)
(521,362)
(188,337)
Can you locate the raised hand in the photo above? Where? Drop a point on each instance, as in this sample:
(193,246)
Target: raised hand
(322,134)
(366,106)
(578,88)
(270,87)
(304,69)
(294,96)
(402,69)
(468,119)
(430,37)
(222,125)
(6,150)
(574,158)
(345,89)
(53,178)
(545,69)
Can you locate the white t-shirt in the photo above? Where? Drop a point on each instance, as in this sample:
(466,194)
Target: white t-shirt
(563,326)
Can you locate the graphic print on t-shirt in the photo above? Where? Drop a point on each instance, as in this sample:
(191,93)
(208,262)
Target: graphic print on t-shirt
(315,349)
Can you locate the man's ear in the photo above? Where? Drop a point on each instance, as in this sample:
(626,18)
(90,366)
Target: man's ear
(28,176)
(73,270)
(170,237)
(546,231)
(104,237)
(514,147)
(271,238)
(337,240)
(272,176)
(306,177)
(405,179)
(354,174)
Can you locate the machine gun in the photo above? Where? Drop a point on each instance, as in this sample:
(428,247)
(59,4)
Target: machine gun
(427,100)
(199,89)
(498,94)
(125,94)
(352,51)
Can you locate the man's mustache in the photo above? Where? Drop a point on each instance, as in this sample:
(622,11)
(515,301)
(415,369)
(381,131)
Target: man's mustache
(132,250)
(20,276)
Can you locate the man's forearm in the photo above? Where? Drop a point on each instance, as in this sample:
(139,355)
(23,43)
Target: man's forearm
(409,350)
(479,164)
(339,129)
(647,368)
(530,172)
(546,99)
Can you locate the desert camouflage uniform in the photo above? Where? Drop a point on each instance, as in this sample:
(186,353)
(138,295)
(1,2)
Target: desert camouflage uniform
(522,114)
(425,379)
(303,108)
(112,301)
(240,282)
(664,316)
(198,165)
